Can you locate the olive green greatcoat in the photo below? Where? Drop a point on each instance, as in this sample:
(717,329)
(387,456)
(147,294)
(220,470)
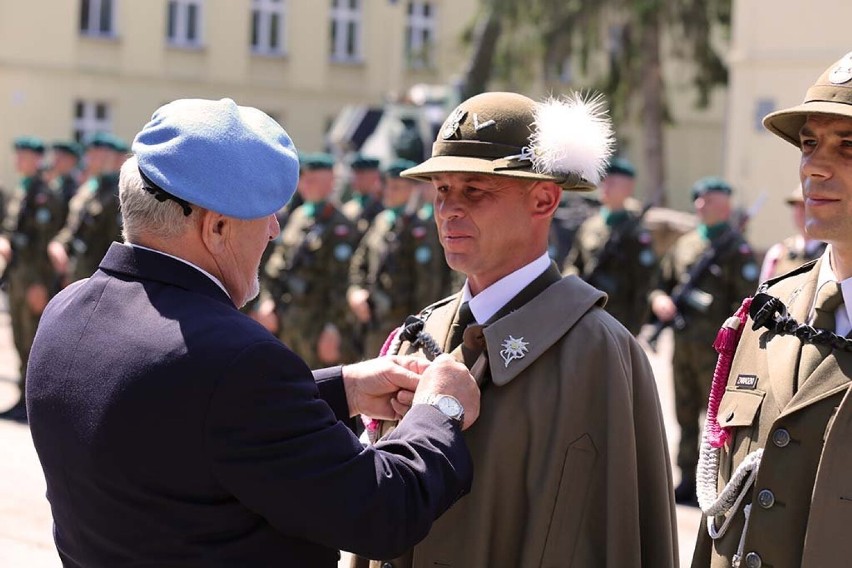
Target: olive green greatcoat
(805,433)
(307,276)
(94,223)
(627,275)
(570,455)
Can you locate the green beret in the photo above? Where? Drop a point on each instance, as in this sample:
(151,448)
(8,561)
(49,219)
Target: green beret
(316,161)
(710,183)
(100,140)
(397,167)
(69,147)
(29,143)
(120,145)
(362,162)
(620,166)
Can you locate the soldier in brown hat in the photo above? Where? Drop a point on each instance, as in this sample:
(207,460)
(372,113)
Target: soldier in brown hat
(796,250)
(774,475)
(570,452)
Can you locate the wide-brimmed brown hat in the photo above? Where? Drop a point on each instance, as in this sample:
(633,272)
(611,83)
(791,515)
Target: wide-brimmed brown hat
(831,94)
(567,141)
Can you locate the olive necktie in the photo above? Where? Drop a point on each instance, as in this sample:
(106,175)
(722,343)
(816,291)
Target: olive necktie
(464,319)
(828,299)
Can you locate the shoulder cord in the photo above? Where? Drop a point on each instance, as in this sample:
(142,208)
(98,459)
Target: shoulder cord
(411,331)
(768,312)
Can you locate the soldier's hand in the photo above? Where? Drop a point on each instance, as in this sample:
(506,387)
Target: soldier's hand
(328,345)
(36,297)
(58,257)
(6,249)
(664,308)
(382,388)
(359,305)
(447,376)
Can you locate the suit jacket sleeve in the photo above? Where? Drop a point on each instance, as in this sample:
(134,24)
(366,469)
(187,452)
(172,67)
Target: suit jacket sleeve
(280,450)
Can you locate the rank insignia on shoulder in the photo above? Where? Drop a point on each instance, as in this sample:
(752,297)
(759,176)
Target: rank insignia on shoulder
(746,382)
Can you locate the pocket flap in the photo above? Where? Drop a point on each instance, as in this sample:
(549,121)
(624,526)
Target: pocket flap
(739,407)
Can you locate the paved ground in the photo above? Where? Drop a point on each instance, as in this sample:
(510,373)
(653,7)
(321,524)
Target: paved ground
(25,523)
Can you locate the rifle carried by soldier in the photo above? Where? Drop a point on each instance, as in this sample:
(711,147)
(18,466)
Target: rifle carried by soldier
(611,249)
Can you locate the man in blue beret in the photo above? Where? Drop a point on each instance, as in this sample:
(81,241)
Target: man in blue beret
(613,250)
(174,430)
(34,214)
(727,275)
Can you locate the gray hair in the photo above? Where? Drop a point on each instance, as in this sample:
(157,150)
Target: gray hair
(141,213)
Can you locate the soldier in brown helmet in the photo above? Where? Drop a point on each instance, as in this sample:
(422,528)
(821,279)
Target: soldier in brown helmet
(570,451)
(774,482)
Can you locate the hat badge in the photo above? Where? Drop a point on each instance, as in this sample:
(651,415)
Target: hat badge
(843,72)
(453,123)
(513,348)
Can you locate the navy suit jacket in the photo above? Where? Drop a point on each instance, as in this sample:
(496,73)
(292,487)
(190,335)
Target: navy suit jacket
(175,431)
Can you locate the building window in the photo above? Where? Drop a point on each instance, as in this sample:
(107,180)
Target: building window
(267,26)
(97,18)
(420,34)
(346,30)
(91,117)
(183,28)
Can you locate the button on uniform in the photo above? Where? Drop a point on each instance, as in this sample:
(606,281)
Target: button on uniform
(753,560)
(781,437)
(766,499)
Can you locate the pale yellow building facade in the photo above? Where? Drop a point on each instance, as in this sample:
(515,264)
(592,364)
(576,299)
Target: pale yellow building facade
(778,50)
(76,66)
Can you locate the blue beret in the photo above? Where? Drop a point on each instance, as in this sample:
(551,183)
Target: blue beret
(362,162)
(620,166)
(710,183)
(29,143)
(398,166)
(231,159)
(316,161)
(69,147)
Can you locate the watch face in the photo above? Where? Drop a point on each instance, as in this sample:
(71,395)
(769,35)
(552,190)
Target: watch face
(449,406)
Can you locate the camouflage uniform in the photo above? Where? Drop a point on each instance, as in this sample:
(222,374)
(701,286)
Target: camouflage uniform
(35,214)
(307,275)
(399,262)
(627,275)
(362,210)
(94,222)
(717,294)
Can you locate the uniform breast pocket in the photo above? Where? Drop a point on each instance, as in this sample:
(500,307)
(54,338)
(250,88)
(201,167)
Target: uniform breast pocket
(739,410)
(571,503)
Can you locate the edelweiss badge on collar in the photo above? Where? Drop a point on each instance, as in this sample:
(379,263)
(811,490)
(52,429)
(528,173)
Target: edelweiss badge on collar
(513,349)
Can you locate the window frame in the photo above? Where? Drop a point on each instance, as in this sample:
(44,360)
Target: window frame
(344,17)
(264,12)
(92,26)
(420,52)
(177,30)
(86,121)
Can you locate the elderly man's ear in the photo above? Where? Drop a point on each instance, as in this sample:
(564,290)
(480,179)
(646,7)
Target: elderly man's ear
(215,231)
(545,196)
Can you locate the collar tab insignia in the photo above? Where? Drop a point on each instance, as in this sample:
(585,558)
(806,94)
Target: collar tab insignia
(513,349)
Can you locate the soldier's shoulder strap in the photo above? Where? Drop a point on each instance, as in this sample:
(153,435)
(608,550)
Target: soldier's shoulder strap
(803,269)
(427,311)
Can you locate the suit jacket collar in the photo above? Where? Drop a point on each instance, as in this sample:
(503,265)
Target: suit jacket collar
(141,264)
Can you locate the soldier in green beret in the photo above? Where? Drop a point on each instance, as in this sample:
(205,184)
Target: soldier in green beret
(365,188)
(64,173)
(94,220)
(397,266)
(307,273)
(706,297)
(613,250)
(35,213)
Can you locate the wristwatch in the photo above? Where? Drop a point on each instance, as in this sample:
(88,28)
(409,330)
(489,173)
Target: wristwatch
(449,405)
